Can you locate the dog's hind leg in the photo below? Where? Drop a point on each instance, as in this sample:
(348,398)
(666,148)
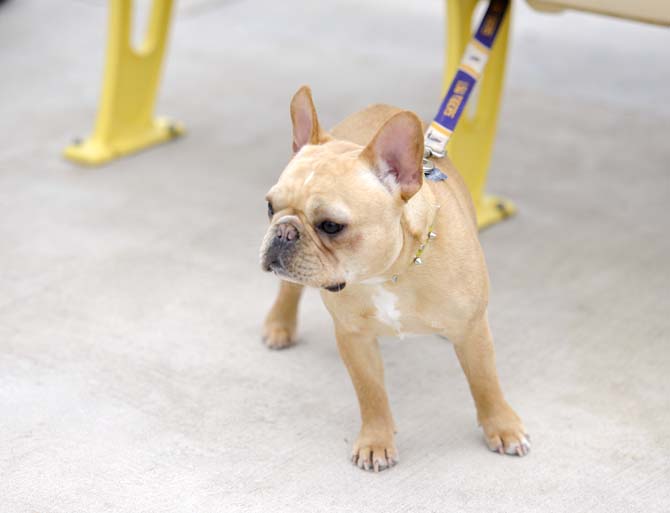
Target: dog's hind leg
(280,324)
(503,428)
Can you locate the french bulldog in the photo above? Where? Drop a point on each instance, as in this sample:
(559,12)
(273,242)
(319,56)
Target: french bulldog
(393,254)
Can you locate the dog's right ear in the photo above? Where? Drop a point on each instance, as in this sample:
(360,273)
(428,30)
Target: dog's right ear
(396,152)
(306,129)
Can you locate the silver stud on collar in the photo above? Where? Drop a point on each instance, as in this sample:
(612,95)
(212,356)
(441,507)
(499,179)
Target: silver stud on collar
(417,260)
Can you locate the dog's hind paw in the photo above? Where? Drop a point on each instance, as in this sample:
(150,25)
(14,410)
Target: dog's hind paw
(374,453)
(505,434)
(509,445)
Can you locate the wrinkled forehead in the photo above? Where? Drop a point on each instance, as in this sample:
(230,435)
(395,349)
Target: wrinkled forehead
(319,181)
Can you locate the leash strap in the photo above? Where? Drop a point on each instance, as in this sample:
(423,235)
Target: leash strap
(472,65)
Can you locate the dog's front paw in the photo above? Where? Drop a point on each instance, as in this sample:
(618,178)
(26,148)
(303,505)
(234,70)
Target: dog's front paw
(374,450)
(504,432)
(278,334)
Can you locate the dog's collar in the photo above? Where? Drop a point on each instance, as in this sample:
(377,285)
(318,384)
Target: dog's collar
(418,256)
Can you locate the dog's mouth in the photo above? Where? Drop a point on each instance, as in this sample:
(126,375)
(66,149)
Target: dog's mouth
(277,268)
(276,265)
(273,266)
(273,263)
(336,288)
(281,273)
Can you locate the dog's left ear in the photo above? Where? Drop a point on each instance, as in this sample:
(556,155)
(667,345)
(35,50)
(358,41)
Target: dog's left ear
(306,129)
(396,152)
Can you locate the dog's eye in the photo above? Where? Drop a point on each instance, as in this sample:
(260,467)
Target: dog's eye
(330,227)
(271,211)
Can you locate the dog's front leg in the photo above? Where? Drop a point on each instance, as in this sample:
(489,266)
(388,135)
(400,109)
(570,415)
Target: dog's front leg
(280,323)
(502,427)
(375,447)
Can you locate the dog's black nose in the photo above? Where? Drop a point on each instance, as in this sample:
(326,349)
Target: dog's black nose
(286,232)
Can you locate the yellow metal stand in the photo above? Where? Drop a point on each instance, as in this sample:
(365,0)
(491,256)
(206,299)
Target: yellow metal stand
(471,145)
(126,120)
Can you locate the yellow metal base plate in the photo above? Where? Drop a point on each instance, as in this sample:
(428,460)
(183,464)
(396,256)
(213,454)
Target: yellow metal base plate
(492,210)
(94,151)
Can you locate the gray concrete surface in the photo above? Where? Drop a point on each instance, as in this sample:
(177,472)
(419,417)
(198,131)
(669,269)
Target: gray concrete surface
(132,377)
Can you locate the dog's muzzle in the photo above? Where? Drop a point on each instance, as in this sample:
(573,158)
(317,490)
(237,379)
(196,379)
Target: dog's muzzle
(282,246)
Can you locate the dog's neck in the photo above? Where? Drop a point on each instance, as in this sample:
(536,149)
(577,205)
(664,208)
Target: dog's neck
(419,215)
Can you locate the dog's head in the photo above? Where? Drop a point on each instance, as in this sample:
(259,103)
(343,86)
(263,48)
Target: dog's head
(335,211)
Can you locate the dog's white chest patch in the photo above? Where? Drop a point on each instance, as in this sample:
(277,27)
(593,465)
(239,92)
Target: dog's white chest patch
(385,303)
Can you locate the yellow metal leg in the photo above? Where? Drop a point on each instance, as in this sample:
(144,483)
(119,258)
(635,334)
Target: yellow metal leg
(126,120)
(472,143)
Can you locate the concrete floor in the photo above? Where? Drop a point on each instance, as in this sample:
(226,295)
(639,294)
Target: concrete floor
(132,377)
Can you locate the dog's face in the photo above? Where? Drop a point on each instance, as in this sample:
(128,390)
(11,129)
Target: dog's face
(332,221)
(335,211)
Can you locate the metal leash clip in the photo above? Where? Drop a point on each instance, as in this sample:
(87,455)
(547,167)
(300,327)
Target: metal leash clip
(429,165)
(430,152)
(430,172)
